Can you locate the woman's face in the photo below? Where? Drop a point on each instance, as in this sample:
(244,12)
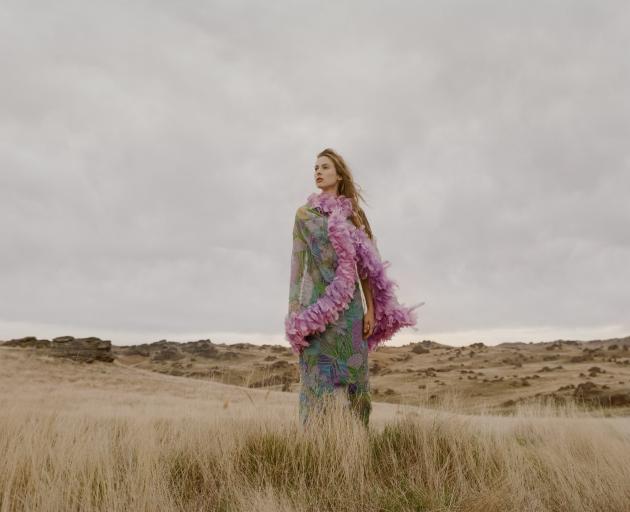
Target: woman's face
(326,177)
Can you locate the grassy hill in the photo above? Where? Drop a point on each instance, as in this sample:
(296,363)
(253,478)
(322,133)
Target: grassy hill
(114,436)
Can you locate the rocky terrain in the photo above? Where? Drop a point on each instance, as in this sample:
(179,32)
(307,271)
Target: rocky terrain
(497,378)
(86,350)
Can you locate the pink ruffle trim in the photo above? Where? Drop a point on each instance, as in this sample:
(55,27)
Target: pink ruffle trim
(350,244)
(389,315)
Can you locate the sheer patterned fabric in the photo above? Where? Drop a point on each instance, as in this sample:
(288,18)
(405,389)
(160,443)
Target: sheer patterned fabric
(335,360)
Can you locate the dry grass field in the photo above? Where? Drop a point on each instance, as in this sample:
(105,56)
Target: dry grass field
(129,435)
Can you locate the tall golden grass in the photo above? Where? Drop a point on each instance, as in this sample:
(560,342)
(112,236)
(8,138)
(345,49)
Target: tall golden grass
(65,447)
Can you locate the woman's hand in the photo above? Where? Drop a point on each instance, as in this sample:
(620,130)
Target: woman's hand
(368,323)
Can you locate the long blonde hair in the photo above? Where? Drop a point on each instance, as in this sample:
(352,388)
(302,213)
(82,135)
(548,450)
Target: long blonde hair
(350,189)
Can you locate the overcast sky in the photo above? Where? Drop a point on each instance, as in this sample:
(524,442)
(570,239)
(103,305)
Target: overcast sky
(153,154)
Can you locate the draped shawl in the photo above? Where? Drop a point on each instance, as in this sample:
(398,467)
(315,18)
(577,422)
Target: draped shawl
(356,255)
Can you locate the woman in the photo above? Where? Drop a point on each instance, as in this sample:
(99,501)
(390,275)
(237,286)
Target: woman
(341,302)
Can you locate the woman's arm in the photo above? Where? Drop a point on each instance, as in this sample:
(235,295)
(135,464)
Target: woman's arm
(367,293)
(368,317)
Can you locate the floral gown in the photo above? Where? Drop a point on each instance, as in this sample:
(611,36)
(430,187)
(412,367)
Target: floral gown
(339,355)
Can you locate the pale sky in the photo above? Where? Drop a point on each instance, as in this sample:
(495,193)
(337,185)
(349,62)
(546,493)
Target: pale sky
(153,154)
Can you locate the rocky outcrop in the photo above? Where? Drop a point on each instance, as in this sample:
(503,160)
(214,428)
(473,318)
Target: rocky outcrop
(165,350)
(201,348)
(589,392)
(27,341)
(168,354)
(86,350)
(243,346)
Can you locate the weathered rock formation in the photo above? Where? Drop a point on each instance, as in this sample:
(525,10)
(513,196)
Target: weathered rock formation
(168,354)
(589,392)
(27,341)
(201,348)
(85,350)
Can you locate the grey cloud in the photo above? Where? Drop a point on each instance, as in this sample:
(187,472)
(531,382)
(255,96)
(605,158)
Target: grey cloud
(152,156)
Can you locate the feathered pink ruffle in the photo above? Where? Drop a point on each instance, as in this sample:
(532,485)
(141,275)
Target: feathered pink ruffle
(389,315)
(352,246)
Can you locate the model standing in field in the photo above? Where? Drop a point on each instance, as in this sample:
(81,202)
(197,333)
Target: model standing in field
(341,302)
